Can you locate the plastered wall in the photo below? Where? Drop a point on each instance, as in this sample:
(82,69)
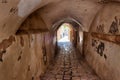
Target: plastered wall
(102,43)
(26,57)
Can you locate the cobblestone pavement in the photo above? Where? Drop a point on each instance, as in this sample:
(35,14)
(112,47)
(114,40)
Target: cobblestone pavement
(67,66)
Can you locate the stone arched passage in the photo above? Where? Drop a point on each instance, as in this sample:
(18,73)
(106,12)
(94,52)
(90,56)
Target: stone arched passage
(65,33)
(78,31)
(15,12)
(23,54)
(69,20)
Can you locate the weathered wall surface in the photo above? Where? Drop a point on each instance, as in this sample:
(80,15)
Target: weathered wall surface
(26,57)
(81,10)
(101,45)
(14,12)
(80,42)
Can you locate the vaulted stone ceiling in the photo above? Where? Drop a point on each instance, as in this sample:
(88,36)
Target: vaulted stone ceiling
(14,12)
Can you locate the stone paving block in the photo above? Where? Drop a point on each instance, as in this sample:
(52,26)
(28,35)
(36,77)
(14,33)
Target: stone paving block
(67,77)
(60,73)
(67,67)
(59,79)
(67,72)
(76,78)
(59,76)
(52,79)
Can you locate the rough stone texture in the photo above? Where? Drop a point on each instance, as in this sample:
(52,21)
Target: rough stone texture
(68,67)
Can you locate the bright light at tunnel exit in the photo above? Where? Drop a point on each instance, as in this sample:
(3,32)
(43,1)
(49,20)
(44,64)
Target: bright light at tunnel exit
(64,33)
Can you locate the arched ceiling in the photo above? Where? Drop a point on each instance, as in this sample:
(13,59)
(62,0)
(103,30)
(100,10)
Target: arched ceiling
(14,12)
(83,11)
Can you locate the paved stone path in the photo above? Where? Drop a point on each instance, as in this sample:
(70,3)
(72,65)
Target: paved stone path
(67,66)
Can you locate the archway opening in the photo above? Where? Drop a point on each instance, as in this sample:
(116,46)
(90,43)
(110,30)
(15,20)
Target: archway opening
(65,33)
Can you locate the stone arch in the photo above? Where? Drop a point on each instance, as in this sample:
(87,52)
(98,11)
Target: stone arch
(69,20)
